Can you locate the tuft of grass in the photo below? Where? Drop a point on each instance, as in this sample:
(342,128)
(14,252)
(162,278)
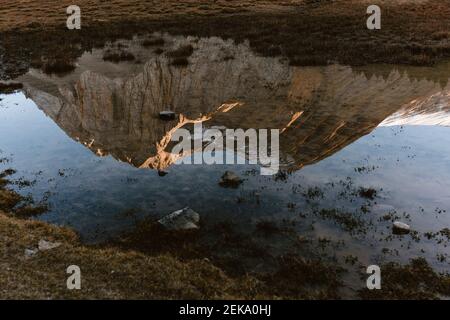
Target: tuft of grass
(368,193)
(348,221)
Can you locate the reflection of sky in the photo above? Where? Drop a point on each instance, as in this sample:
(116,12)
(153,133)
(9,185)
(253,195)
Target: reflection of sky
(95,195)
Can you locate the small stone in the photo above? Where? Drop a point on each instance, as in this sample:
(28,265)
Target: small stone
(47,245)
(167,115)
(230,180)
(400,228)
(162,173)
(30,253)
(184,219)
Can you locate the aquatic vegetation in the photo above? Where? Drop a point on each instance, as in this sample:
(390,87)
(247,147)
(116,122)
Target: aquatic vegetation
(414,281)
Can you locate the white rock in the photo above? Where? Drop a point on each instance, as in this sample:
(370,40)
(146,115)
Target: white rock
(47,245)
(184,219)
(401,228)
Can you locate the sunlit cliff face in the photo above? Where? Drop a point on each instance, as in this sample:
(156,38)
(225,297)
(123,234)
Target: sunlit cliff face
(113,108)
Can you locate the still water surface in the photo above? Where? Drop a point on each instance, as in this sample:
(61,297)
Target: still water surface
(91,146)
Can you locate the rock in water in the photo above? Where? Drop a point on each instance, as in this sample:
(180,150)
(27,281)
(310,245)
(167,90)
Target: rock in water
(400,228)
(167,115)
(230,179)
(184,219)
(47,245)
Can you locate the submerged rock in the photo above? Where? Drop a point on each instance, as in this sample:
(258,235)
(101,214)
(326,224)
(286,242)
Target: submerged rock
(184,219)
(167,115)
(44,245)
(230,179)
(400,228)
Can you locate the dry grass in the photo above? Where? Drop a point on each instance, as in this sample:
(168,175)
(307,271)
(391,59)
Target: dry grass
(29,13)
(416,281)
(106,273)
(307,32)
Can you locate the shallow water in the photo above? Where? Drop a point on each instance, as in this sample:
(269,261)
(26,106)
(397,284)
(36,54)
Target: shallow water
(91,146)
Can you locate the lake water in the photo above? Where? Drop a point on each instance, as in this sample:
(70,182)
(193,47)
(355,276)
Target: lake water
(93,148)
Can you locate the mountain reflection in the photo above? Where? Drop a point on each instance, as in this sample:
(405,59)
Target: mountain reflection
(113,108)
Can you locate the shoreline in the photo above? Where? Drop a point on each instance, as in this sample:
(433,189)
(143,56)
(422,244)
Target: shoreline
(146,264)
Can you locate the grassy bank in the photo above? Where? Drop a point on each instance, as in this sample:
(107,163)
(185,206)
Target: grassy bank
(306,32)
(107,273)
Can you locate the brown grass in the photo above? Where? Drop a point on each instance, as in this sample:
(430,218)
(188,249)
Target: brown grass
(308,33)
(416,281)
(106,273)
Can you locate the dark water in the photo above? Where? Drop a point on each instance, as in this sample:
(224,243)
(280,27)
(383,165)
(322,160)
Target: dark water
(341,142)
